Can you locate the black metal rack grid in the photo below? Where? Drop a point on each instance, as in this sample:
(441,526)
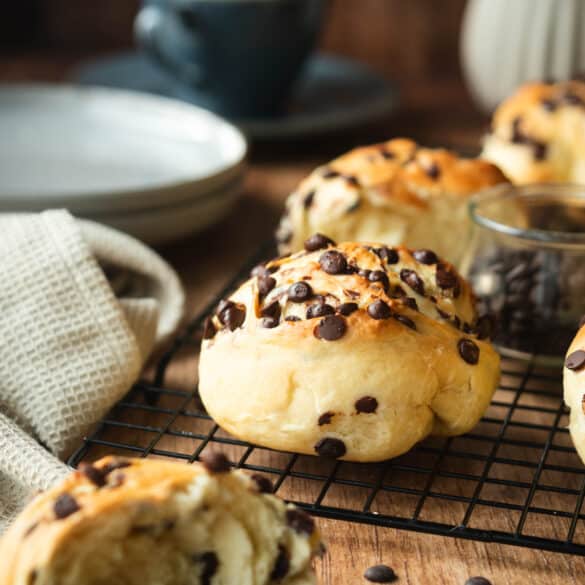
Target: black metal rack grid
(515,479)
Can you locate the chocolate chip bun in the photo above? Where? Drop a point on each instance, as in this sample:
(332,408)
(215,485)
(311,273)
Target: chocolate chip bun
(152,522)
(395,193)
(574,387)
(355,351)
(538,134)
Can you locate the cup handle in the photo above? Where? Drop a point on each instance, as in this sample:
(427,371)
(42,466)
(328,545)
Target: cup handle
(148,27)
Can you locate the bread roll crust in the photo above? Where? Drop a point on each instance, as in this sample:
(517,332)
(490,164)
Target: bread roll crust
(153,522)
(538,134)
(406,344)
(395,192)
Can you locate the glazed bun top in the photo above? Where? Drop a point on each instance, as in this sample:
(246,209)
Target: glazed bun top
(396,192)
(285,296)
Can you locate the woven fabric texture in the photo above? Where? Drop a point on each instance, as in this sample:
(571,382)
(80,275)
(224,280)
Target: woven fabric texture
(81,308)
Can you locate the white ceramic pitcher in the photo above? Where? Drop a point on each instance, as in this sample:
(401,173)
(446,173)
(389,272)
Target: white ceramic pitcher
(505,43)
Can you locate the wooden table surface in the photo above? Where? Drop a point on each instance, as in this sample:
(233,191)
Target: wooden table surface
(434,113)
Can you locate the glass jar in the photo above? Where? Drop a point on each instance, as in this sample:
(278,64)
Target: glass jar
(526,263)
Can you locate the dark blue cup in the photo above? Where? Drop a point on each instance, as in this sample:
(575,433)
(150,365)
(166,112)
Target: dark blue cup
(241,56)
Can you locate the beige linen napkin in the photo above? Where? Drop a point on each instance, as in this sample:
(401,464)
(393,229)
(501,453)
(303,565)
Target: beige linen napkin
(81,308)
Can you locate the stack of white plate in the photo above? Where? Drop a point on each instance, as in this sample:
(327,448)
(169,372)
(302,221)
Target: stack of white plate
(156,168)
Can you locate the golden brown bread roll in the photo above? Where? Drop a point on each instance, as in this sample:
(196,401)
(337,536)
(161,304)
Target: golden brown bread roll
(355,351)
(395,193)
(152,522)
(574,389)
(538,134)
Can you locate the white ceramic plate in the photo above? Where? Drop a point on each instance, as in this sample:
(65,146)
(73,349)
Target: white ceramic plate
(159,226)
(95,150)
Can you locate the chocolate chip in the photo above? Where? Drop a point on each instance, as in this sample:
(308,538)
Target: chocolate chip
(271,310)
(379,310)
(443,314)
(477,581)
(433,170)
(263,484)
(270,322)
(210,564)
(215,462)
(387,154)
(445,278)
(319,310)
(325,418)
(539,150)
(114,465)
(576,360)
(351,180)
(64,506)
(381,277)
(413,280)
(330,447)
(347,308)
(300,292)
(410,302)
(333,262)
(300,521)
(208,329)
(95,475)
(366,404)
(405,321)
(388,254)
(292,318)
(468,350)
(330,328)
(262,270)
(308,200)
(330,174)
(425,256)
(572,99)
(364,273)
(549,105)
(231,315)
(265,285)
(380,574)
(281,565)
(318,242)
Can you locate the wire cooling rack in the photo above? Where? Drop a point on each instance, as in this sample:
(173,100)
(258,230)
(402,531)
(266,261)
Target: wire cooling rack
(515,479)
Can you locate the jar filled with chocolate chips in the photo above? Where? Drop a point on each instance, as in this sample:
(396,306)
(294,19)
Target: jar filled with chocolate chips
(527,265)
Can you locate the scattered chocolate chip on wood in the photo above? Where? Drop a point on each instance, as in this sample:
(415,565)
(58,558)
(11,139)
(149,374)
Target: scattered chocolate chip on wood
(330,328)
(468,350)
(64,506)
(318,242)
(380,574)
(330,447)
(215,462)
(300,521)
(576,360)
(478,581)
(366,404)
